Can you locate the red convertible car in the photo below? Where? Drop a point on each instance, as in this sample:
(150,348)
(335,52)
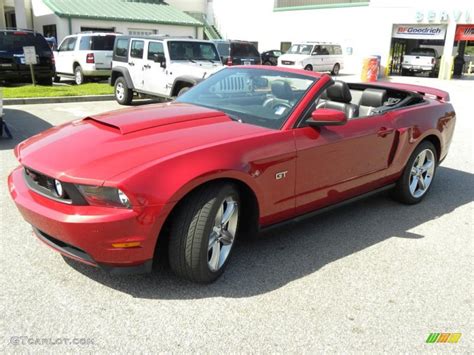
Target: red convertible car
(248,148)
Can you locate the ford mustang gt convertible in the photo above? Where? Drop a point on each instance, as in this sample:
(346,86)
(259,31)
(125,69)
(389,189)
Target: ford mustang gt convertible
(248,148)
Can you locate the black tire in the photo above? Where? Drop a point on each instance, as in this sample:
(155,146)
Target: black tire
(309,67)
(402,190)
(404,72)
(79,78)
(123,94)
(433,74)
(183,90)
(56,79)
(191,229)
(335,69)
(267,63)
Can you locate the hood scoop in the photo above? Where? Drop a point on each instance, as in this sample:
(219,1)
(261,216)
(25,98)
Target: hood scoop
(136,119)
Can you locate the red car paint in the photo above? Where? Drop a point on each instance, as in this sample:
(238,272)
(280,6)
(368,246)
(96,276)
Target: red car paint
(157,154)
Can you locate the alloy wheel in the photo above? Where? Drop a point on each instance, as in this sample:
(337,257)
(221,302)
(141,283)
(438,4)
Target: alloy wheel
(421,173)
(78,77)
(119,91)
(223,233)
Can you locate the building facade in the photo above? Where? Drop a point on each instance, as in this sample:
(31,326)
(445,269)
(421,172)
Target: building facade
(59,18)
(385,28)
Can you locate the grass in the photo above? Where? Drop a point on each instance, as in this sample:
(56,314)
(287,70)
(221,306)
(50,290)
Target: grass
(57,90)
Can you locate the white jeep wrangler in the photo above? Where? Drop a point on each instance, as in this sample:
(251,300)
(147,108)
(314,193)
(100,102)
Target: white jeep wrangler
(160,66)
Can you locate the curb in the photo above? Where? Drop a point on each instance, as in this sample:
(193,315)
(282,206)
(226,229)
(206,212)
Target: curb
(57,100)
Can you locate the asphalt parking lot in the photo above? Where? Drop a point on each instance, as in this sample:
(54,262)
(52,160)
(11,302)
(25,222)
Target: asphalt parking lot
(372,276)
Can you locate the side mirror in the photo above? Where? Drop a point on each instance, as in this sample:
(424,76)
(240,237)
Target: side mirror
(327,117)
(160,58)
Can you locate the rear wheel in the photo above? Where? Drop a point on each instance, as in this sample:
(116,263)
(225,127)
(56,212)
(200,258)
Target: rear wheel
(78,76)
(203,233)
(418,175)
(123,94)
(309,67)
(335,69)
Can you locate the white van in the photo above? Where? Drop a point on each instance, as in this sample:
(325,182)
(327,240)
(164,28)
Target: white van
(314,56)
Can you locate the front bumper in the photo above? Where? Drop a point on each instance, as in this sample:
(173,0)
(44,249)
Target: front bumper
(86,233)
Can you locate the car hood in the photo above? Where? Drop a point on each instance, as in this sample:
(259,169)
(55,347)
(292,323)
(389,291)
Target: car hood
(96,148)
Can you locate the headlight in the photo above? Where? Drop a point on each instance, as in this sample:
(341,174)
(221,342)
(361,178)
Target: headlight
(104,196)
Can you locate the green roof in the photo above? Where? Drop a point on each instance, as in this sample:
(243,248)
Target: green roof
(121,10)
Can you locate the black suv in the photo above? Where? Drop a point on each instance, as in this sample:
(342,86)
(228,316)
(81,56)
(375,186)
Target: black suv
(12,59)
(238,52)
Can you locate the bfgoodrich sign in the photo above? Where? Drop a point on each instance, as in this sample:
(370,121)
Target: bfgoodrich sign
(419,31)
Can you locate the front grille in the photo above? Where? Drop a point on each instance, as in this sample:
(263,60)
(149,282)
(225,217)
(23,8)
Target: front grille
(44,185)
(287,62)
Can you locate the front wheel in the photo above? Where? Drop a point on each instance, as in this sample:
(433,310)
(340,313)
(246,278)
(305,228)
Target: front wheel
(123,94)
(203,233)
(183,90)
(418,174)
(336,69)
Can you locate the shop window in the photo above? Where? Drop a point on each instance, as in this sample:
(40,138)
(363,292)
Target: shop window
(97,29)
(284,46)
(141,32)
(50,31)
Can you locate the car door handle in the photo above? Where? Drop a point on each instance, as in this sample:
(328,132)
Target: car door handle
(147,66)
(131,64)
(383,132)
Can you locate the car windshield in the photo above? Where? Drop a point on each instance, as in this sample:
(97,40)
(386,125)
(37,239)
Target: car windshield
(183,50)
(300,49)
(260,97)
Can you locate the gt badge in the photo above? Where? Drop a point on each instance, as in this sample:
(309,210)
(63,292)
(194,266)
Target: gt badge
(281,175)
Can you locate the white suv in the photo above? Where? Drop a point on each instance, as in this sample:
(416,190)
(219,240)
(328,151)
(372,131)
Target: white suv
(314,56)
(160,66)
(85,55)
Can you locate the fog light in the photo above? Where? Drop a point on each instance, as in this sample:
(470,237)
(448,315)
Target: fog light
(58,187)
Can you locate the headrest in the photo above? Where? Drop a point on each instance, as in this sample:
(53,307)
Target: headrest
(373,97)
(324,95)
(339,92)
(282,90)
